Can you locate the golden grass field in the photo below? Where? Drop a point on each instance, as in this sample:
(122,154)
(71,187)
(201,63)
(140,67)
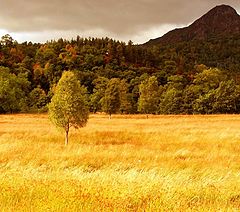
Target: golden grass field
(128,163)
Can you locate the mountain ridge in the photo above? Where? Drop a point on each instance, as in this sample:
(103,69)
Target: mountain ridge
(221,20)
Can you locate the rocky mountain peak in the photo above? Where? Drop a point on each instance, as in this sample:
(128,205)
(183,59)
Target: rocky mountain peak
(222,20)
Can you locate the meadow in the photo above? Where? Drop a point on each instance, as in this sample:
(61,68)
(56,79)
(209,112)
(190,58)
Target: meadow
(128,163)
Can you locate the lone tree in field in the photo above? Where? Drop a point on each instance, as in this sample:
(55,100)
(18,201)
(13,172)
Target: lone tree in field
(68,106)
(111,100)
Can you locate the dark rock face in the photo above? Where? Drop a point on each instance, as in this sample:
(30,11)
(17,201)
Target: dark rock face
(222,20)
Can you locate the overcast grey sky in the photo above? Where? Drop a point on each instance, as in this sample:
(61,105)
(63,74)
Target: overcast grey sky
(138,20)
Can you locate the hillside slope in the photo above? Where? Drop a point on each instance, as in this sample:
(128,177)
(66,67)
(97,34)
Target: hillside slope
(221,21)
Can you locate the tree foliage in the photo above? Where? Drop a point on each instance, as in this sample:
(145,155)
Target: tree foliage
(68,107)
(190,75)
(13,91)
(149,97)
(111,101)
(100,85)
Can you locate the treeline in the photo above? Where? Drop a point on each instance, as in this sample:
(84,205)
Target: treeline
(158,80)
(209,92)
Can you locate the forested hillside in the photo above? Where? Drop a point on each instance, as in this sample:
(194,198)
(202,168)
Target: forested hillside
(183,78)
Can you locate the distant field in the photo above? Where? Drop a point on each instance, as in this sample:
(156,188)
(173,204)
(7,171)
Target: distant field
(129,163)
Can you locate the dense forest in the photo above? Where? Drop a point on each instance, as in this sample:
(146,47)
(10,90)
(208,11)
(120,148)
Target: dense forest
(197,77)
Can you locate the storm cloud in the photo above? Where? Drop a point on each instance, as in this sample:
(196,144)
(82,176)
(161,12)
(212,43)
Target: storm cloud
(139,19)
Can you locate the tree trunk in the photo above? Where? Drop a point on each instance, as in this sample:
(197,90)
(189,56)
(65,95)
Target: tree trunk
(66,135)
(110,116)
(66,138)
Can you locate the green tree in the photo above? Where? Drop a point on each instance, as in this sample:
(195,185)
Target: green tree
(100,85)
(190,95)
(171,101)
(125,106)
(38,100)
(111,100)
(204,104)
(170,67)
(68,105)
(13,91)
(226,98)
(209,79)
(206,83)
(149,98)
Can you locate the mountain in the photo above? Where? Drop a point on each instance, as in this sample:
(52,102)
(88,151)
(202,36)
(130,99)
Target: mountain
(221,21)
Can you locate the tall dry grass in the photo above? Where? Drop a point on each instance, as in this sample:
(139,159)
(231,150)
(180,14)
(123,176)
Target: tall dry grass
(129,163)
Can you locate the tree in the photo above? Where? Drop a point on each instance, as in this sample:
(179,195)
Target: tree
(6,40)
(209,79)
(125,105)
(100,85)
(204,104)
(13,91)
(206,83)
(38,100)
(149,98)
(190,96)
(111,100)
(226,97)
(171,101)
(68,105)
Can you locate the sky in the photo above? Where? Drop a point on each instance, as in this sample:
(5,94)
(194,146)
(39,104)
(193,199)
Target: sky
(136,20)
